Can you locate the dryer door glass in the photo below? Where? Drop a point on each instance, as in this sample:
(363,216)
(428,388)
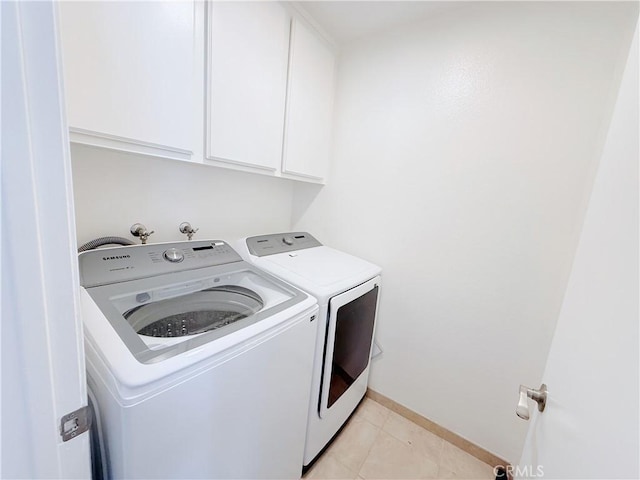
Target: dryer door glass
(352,343)
(350,335)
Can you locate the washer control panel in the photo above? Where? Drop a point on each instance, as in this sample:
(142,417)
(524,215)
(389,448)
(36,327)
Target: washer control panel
(120,264)
(173,255)
(263,245)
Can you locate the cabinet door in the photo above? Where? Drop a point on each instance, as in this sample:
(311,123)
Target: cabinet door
(247,74)
(129,74)
(309,104)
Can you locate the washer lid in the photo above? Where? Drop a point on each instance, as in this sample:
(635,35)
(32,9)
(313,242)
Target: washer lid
(162,316)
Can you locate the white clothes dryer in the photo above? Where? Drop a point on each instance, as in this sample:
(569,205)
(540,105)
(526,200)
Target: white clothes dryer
(200,363)
(347,289)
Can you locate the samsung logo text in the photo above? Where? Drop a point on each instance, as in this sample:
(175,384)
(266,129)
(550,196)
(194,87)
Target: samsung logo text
(116,257)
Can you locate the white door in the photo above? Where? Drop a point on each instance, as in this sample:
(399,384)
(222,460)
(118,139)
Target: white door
(589,428)
(43,375)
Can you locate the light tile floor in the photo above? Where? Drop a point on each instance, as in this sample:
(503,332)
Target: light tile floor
(380,444)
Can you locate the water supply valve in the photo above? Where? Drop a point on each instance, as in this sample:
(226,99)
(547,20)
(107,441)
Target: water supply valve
(187,229)
(139,230)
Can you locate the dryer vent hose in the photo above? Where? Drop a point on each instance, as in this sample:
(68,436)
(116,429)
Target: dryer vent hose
(98,242)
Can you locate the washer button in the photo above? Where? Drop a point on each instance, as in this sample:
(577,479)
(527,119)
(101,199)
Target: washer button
(287,240)
(173,255)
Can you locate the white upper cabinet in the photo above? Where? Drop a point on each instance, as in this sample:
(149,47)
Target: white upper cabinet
(129,75)
(241,85)
(248,49)
(309,105)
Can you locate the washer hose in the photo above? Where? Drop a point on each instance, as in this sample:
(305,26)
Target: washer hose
(98,242)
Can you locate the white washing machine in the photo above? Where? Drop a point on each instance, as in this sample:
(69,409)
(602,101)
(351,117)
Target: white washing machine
(200,363)
(347,289)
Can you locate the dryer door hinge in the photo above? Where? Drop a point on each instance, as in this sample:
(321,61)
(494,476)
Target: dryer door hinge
(75,423)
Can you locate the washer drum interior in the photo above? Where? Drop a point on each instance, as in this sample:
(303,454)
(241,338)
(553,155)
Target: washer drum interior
(194,313)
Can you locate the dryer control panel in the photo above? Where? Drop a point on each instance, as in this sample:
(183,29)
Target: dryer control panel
(263,245)
(121,264)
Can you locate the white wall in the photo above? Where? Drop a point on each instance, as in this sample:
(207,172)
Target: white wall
(464,151)
(115,190)
(593,371)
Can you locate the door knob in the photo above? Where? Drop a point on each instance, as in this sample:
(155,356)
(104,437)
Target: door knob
(540,396)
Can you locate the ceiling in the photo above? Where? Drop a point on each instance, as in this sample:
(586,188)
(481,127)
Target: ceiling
(348,20)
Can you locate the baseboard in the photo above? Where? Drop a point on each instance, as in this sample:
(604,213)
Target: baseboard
(460,442)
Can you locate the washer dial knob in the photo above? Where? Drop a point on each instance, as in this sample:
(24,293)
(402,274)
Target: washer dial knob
(173,255)
(287,240)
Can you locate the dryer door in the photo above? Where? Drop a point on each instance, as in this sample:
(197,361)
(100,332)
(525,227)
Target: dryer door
(352,317)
